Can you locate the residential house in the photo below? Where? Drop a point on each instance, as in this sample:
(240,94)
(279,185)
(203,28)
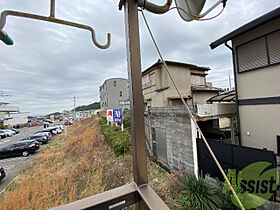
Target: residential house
(256,59)
(159,91)
(170,133)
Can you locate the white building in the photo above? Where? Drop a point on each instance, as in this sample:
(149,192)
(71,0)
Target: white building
(11,115)
(16,119)
(114,93)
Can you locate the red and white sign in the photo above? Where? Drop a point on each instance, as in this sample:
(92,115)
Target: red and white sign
(110,115)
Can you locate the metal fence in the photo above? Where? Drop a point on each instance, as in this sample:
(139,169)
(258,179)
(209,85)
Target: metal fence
(230,157)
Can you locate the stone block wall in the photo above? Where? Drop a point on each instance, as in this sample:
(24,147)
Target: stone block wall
(169,135)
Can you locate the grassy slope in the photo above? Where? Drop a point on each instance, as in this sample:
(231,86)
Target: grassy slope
(75,167)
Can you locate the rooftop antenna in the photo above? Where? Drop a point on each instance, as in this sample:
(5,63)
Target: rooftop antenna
(7,40)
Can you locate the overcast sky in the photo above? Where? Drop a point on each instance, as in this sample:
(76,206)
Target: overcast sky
(50,63)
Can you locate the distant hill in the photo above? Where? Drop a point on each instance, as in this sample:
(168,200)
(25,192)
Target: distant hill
(95,105)
(55,114)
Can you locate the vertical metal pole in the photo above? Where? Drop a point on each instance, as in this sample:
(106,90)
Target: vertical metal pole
(136,95)
(232,131)
(52,13)
(74,108)
(229,82)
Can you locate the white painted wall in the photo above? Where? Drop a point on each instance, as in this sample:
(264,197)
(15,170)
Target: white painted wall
(208,110)
(16,119)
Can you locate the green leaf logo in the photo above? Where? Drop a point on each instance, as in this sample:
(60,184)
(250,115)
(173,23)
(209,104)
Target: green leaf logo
(254,185)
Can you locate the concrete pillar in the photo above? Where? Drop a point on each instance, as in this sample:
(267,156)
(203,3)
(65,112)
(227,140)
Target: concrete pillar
(194,148)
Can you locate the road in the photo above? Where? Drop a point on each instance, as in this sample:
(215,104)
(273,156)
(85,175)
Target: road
(14,165)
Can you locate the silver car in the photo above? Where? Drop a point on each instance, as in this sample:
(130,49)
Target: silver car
(9,132)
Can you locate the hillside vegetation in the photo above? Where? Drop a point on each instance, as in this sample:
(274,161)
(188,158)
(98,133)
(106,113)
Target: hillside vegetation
(77,166)
(95,105)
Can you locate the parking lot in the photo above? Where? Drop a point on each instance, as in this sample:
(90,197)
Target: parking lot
(14,165)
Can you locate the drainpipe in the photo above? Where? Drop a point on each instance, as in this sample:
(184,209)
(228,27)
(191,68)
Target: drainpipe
(236,95)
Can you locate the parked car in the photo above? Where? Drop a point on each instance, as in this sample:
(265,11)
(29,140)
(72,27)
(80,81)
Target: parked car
(2,173)
(9,132)
(15,130)
(52,130)
(23,148)
(58,129)
(41,139)
(3,134)
(67,123)
(61,127)
(44,133)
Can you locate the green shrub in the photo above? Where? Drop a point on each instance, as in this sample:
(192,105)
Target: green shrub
(120,141)
(227,202)
(183,200)
(2,126)
(198,194)
(226,198)
(126,123)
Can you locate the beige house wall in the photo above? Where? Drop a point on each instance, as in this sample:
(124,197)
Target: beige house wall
(201,97)
(224,122)
(254,84)
(161,86)
(259,125)
(259,83)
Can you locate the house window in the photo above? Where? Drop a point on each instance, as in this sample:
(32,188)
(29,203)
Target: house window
(115,83)
(149,103)
(120,93)
(146,81)
(123,102)
(258,53)
(197,80)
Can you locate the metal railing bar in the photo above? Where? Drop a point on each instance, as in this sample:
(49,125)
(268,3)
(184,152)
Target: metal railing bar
(151,199)
(116,198)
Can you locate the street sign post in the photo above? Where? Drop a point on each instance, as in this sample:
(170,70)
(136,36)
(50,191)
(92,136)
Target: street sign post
(109,116)
(118,117)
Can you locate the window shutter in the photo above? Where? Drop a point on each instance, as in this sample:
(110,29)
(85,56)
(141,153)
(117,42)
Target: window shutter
(273,41)
(252,55)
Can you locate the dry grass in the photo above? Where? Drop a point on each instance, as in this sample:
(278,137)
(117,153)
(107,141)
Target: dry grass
(75,167)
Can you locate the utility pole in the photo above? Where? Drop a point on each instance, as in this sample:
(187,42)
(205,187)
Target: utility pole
(229,82)
(74,108)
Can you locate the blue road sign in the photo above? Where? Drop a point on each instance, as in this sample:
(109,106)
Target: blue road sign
(117,116)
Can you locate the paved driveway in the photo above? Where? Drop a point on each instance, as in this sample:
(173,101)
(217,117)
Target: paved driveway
(14,165)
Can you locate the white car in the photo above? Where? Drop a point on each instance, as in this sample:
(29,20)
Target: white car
(58,129)
(46,134)
(61,127)
(9,132)
(52,130)
(14,132)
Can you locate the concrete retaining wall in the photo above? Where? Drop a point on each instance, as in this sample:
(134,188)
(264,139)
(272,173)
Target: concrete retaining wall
(169,135)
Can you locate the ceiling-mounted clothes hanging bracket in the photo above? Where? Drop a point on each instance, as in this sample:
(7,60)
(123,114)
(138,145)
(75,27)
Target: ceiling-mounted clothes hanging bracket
(52,19)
